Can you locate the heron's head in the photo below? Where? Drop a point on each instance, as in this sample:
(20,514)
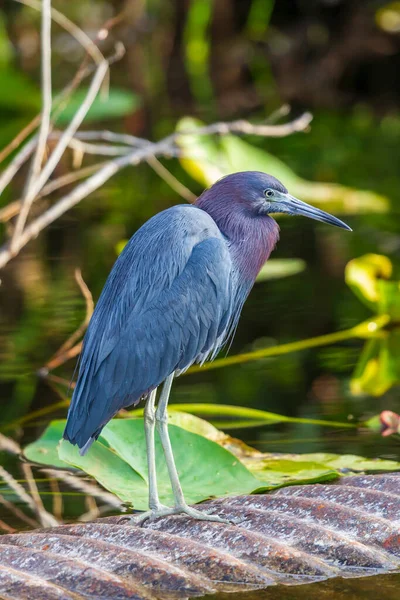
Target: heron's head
(260,194)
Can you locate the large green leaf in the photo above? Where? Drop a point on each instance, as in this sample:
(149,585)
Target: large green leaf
(45,449)
(117,103)
(118,462)
(206,468)
(207,158)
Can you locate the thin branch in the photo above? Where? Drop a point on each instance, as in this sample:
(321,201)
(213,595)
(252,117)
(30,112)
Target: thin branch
(58,503)
(46,519)
(68,350)
(91,489)
(165,147)
(58,151)
(9,445)
(17,488)
(44,128)
(99,149)
(16,163)
(241,126)
(18,513)
(111,136)
(81,37)
(7,528)
(172,181)
(19,138)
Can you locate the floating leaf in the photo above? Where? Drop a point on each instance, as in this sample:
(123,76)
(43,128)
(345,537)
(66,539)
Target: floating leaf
(348,463)
(118,461)
(44,450)
(121,465)
(117,103)
(276,268)
(276,471)
(207,158)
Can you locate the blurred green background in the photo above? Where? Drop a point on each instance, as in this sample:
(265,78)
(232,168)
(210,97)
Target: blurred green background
(221,60)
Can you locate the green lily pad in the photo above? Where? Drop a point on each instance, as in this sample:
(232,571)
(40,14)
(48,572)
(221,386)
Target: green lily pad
(210,463)
(117,103)
(275,471)
(205,468)
(45,449)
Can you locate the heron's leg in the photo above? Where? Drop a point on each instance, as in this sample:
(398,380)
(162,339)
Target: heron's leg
(149,425)
(160,417)
(162,428)
(156,508)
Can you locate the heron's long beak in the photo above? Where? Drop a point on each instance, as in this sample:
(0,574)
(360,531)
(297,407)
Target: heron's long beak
(298,207)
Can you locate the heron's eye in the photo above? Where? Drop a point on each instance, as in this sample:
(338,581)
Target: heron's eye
(269,193)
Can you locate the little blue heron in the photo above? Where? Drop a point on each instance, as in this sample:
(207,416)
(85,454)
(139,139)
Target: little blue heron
(173,298)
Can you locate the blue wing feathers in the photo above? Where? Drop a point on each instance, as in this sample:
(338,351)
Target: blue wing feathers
(165,305)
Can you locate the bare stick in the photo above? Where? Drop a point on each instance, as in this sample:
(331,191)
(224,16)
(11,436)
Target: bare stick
(13,208)
(46,519)
(58,504)
(58,151)
(9,445)
(18,513)
(78,483)
(67,350)
(44,123)
(165,147)
(81,37)
(16,487)
(16,163)
(7,528)
(19,138)
(99,149)
(172,181)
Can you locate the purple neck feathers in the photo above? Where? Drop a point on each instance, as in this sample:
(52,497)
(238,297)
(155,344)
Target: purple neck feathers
(251,237)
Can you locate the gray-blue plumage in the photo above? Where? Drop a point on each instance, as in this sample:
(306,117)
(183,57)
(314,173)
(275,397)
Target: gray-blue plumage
(175,294)
(166,304)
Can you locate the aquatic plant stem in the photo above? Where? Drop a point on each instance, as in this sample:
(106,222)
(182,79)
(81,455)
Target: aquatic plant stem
(364,330)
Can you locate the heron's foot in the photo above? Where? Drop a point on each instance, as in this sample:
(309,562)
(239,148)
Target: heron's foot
(184,509)
(202,515)
(150,515)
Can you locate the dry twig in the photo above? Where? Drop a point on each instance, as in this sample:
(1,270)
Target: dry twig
(45,518)
(68,350)
(44,127)
(80,484)
(165,147)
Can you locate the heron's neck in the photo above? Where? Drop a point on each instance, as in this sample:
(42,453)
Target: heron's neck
(251,237)
(251,243)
